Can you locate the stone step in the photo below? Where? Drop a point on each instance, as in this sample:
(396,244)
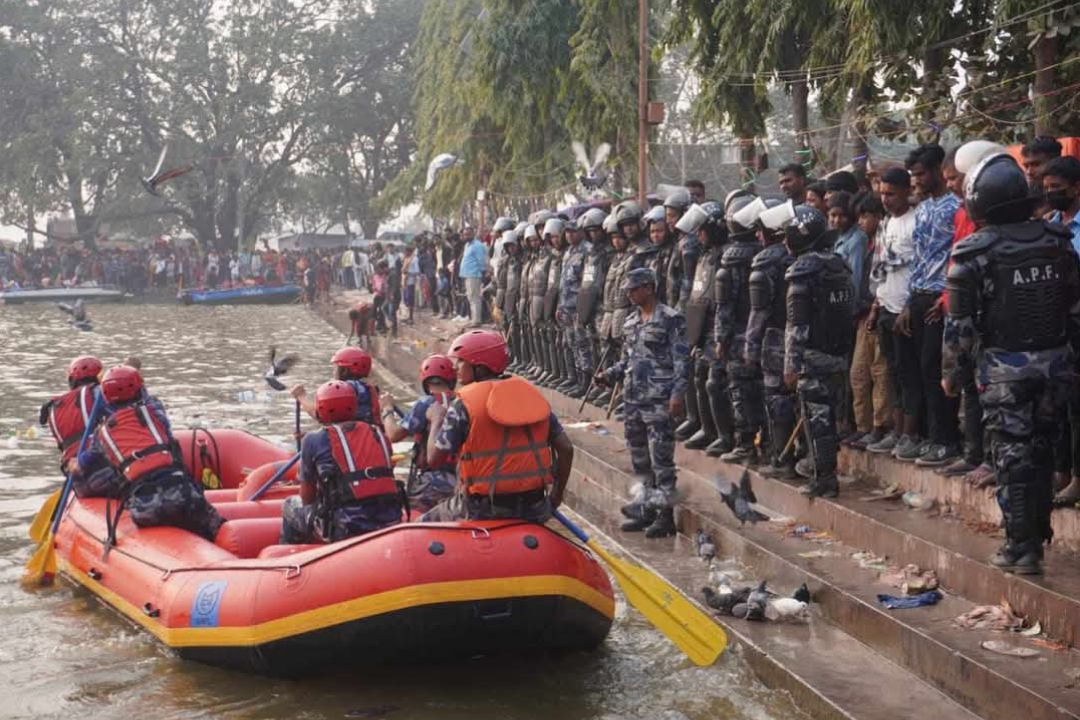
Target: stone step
(973,504)
(827,672)
(923,640)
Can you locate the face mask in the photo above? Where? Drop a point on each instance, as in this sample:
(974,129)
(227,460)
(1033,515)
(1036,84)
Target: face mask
(1059,199)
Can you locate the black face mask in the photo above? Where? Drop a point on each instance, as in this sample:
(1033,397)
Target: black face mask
(1059,199)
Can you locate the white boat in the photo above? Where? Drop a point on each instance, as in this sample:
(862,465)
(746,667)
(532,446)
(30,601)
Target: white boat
(61,294)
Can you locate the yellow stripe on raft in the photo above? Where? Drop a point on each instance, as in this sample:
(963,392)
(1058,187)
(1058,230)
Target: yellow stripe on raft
(351,610)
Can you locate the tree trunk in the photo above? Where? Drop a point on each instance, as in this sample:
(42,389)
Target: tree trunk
(860,150)
(1045,57)
(800,110)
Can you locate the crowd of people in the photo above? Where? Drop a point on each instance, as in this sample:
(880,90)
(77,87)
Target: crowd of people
(859,312)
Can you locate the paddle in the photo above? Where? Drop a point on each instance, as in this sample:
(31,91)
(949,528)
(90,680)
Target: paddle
(693,631)
(275,477)
(41,567)
(44,517)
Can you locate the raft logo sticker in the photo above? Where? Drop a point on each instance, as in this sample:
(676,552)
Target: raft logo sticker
(204,608)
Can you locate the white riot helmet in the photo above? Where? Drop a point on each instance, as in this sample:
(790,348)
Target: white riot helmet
(692,219)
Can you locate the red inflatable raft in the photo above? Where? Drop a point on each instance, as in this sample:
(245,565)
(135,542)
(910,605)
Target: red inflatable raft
(408,592)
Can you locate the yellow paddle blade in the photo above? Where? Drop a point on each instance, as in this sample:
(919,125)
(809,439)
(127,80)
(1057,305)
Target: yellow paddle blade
(44,517)
(398,457)
(694,632)
(41,567)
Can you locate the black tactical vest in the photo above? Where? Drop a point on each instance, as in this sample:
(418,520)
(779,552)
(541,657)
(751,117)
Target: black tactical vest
(592,283)
(831,330)
(773,263)
(700,305)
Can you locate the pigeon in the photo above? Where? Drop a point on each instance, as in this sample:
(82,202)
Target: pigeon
(780,609)
(756,603)
(160,177)
(739,497)
(802,594)
(595,174)
(77,310)
(437,165)
(706,546)
(725,602)
(279,366)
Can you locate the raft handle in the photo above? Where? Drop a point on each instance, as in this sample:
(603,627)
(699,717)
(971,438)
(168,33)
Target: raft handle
(292,571)
(94,574)
(481,532)
(150,611)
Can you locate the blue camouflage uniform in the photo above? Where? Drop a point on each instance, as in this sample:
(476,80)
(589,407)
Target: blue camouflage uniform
(573,271)
(363,392)
(590,308)
(1014,320)
(765,340)
(817,340)
(654,369)
(316,522)
(164,497)
(427,487)
(462,506)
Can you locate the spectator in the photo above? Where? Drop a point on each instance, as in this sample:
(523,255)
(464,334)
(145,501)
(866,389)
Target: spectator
(922,317)
(473,265)
(793,182)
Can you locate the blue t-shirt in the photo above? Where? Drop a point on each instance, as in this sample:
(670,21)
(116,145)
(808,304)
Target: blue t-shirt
(932,240)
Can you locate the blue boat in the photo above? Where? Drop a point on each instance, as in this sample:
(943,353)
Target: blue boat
(254,295)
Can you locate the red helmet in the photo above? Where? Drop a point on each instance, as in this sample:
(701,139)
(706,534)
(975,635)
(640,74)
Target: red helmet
(481,347)
(121,384)
(335,402)
(82,367)
(353,359)
(437,366)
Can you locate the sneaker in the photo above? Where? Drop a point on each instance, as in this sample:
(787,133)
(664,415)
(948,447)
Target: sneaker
(783,472)
(909,451)
(850,438)
(885,446)
(937,455)
(955,469)
(866,440)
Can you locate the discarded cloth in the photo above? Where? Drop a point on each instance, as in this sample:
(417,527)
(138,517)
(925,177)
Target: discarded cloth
(914,601)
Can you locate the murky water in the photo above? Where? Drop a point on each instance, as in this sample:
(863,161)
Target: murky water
(63,655)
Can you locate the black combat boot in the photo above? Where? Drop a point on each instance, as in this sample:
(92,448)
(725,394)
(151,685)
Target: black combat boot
(663,525)
(827,487)
(1024,558)
(1022,552)
(720,446)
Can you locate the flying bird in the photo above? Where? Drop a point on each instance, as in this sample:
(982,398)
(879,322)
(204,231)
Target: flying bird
(594,174)
(725,602)
(739,497)
(76,310)
(160,177)
(279,366)
(437,165)
(706,546)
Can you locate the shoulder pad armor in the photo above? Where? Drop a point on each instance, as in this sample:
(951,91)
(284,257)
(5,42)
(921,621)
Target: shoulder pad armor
(1053,228)
(976,242)
(769,255)
(739,253)
(807,264)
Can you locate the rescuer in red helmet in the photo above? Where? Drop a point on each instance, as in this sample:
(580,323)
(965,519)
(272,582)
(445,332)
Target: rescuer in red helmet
(347,485)
(352,365)
(510,446)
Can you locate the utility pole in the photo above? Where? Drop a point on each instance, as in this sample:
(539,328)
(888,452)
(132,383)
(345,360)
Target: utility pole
(643,101)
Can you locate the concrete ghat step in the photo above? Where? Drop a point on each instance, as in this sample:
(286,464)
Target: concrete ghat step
(959,555)
(972,503)
(923,640)
(829,673)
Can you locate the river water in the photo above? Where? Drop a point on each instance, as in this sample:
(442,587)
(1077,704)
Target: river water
(63,655)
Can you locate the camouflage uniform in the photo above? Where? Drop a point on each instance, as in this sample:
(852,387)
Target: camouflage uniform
(765,342)
(510,302)
(653,370)
(1013,315)
(537,284)
(171,498)
(816,343)
(732,314)
(573,269)
(426,487)
(590,308)
(551,332)
(616,304)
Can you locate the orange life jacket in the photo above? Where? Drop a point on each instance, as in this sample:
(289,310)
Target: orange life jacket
(364,467)
(68,415)
(420,440)
(506,450)
(137,443)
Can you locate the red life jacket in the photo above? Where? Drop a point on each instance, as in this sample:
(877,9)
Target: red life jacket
(136,442)
(421,440)
(364,467)
(68,415)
